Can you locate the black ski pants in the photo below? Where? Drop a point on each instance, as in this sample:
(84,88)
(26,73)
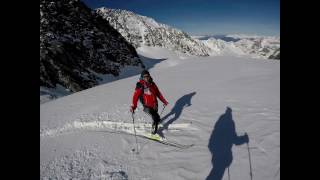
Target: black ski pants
(154,114)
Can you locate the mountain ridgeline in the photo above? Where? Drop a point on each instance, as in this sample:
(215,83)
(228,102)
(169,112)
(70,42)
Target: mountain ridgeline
(141,30)
(77,45)
(144,31)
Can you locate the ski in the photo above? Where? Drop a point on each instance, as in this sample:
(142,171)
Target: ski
(164,141)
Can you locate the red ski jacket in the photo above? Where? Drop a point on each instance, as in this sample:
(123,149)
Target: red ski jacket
(148,93)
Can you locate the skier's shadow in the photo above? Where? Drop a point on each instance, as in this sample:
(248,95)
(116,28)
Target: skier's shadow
(220,144)
(184,101)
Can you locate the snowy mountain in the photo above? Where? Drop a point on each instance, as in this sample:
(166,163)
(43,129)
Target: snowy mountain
(275,55)
(221,37)
(141,30)
(77,46)
(260,47)
(221,47)
(265,47)
(213,102)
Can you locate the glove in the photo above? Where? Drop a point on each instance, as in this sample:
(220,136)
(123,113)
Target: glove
(132,108)
(165,103)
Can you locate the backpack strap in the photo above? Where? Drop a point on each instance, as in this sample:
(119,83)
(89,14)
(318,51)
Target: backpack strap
(140,86)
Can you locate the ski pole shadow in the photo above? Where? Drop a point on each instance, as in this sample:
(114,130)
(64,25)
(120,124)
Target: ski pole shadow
(181,103)
(223,137)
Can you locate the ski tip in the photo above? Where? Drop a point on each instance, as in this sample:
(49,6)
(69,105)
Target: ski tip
(155,137)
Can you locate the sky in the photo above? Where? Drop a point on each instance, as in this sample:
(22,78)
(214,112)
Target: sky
(206,17)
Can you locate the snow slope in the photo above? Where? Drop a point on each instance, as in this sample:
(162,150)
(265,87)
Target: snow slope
(87,135)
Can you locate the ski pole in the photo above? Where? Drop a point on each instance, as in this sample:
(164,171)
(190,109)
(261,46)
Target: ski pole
(249,160)
(135,134)
(162,110)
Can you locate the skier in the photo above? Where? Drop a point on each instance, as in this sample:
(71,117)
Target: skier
(147,91)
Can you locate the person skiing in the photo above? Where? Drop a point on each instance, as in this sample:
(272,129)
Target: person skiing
(147,91)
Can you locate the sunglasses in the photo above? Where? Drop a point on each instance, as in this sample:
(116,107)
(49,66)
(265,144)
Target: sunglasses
(146,76)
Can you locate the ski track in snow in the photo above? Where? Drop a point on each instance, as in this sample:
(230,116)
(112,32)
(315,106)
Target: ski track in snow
(113,120)
(109,125)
